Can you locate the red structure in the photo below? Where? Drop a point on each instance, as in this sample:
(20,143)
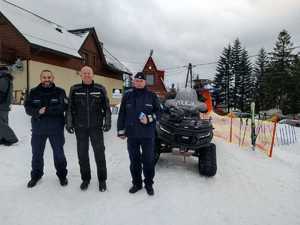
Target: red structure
(155,78)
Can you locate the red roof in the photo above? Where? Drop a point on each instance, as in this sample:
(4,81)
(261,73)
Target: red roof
(159,87)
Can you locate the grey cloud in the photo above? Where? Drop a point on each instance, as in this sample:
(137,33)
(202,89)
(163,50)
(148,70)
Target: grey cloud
(179,32)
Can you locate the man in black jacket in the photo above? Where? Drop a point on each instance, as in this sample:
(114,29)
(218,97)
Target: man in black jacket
(46,105)
(137,120)
(88,115)
(7,135)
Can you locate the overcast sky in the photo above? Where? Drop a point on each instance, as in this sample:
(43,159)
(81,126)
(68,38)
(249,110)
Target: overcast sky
(179,32)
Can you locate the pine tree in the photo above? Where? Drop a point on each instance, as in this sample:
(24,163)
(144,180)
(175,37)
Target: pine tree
(224,78)
(280,72)
(245,85)
(292,104)
(236,71)
(259,72)
(296,82)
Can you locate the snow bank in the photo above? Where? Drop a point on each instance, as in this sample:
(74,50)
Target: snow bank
(249,187)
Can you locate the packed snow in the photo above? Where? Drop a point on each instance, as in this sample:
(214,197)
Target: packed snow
(249,188)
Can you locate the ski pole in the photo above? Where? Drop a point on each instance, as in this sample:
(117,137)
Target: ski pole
(253,135)
(258,130)
(241,124)
(246,125)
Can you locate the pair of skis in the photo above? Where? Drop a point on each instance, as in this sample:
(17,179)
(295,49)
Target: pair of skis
(242,136)
(253,133)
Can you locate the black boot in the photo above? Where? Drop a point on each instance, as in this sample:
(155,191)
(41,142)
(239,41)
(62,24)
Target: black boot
(135,188)
(102,186)
(32,182)
(8,143)
(149,189)
(63,181)
(84,185)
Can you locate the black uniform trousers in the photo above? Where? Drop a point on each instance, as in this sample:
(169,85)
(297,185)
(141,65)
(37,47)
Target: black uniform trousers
(38,142)
(95,134)
(141,160)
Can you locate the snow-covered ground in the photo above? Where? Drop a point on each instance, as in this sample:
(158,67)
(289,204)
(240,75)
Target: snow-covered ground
(249,188)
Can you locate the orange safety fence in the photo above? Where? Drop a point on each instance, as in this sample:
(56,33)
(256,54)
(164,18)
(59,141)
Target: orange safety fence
(238,131)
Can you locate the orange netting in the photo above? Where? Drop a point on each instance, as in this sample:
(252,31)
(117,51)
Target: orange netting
(238,131)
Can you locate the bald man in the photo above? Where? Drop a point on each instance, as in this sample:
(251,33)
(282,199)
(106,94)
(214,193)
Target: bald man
(89,115)
(46,106)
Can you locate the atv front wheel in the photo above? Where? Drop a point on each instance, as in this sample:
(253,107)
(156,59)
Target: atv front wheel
(207,163)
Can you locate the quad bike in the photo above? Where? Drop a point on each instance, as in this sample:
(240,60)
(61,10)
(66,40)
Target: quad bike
(180,127)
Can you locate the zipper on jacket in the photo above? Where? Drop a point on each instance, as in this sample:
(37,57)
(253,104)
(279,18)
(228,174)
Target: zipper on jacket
(88,107)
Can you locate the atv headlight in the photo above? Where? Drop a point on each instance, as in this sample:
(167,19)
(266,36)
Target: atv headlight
(204,136)
(164,130)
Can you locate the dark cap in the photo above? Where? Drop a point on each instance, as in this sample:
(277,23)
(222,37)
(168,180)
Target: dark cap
(140,75)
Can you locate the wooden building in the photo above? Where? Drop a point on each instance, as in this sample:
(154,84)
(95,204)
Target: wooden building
(37,44)
(155,78)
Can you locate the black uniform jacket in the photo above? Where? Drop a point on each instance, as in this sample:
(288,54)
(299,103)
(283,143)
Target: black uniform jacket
(54,99)
(88,106)
(135,102)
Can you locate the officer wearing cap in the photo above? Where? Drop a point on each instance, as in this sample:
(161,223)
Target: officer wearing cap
(137,120)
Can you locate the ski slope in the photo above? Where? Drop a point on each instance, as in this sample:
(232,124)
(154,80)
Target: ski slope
(249,188)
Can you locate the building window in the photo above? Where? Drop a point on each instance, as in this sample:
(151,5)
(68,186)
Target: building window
(94,60)
(149,79)
(85,59)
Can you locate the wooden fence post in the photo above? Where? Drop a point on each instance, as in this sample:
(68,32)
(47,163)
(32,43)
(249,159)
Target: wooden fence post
(273,139)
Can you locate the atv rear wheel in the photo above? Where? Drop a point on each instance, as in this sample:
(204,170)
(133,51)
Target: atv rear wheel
(207,163)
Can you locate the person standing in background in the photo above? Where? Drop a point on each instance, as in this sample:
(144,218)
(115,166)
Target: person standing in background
(7,135)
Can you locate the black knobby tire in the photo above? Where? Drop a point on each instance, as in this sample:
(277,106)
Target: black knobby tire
(207,163)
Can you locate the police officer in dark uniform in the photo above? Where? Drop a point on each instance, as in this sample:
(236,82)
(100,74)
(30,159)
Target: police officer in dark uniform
(137,120)
(89,115)
(46,105)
